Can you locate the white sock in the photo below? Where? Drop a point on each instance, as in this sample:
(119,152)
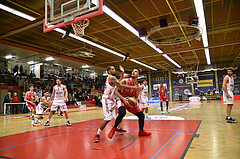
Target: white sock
(146,114)
(67,120)
(35,120)
(99,131)
(48,120)
(229,117)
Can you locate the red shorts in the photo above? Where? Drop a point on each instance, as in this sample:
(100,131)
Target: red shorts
(31,107)
(163,98)
(132,110)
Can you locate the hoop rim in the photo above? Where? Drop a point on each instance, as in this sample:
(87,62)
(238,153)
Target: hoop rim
(82,25)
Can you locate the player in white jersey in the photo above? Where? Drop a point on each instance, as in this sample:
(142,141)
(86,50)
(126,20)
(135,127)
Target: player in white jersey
(108,99)
(40,108)
(144,99)
(59,97)
(228,97)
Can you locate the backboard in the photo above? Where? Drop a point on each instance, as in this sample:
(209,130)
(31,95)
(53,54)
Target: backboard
(59,13)
(192,80)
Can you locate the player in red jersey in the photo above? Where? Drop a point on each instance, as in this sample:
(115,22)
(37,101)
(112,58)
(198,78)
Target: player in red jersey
(30,99)
(122,103)
(163,97)
(108,99)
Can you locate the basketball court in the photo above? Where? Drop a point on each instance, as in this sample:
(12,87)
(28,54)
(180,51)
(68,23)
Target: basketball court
(187,45)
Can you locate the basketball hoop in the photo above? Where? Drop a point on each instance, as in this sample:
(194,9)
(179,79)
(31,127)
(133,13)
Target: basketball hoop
(79,27)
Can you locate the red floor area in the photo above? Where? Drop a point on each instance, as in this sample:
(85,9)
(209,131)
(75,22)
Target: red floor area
(169,139)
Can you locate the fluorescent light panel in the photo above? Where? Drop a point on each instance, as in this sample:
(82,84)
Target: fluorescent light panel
(170,59)
(140,63)
(102,47)
(49,58)
(200,13)
(85,66)
(119,19)
(8,57)
(134,31)
(13,11)
(31,62)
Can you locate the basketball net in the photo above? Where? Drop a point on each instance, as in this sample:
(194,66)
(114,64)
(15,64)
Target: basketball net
(79,27)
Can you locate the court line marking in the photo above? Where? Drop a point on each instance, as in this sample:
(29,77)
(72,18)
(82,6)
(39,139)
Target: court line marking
(134,139)
(166,144)
(190,142)
(5,157)
(201,107)
(73,111)
(43,139)
(219,131)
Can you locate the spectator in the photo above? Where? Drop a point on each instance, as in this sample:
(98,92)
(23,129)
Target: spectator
(73,99)
(180,97)
(21,69)
(15,70)
(70,99)
(100,101)
(24,107)
(7,99)
(14,106)
(201,94)
(86,95)
(39,93)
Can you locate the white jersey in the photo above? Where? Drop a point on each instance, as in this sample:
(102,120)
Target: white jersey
(108,90)
(59,93)
(230,87)
(39,108)
(144,92)
(230,84)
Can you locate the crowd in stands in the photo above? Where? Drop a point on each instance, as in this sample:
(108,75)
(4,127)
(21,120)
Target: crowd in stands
(80,88)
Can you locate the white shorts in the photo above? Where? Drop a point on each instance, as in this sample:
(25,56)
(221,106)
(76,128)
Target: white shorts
(39,110)
(228,100)
(144,103)
(59,103)
(109,109)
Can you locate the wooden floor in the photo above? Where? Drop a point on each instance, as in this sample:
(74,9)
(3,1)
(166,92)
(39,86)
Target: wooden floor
(216,139)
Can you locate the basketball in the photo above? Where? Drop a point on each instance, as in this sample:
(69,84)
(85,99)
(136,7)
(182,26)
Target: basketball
(132,101)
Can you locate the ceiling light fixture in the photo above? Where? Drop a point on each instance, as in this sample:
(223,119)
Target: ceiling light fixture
(109,12)
(74,36)
(85,66)
(8,57)
(200,13)
(13,11)
(49,58)
(31,62)
(102,47)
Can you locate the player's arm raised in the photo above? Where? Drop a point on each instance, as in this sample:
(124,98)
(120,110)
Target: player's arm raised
(119,84)
(156,93)
(66,93)
(225,81)
(116,91)
(53,93)
(122,74)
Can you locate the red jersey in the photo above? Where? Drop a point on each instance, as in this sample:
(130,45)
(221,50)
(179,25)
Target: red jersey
(15,99)
(162,91)
(129,92)
(31,96)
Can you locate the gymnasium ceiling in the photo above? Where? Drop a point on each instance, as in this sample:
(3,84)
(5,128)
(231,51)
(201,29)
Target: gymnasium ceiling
(222,21)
